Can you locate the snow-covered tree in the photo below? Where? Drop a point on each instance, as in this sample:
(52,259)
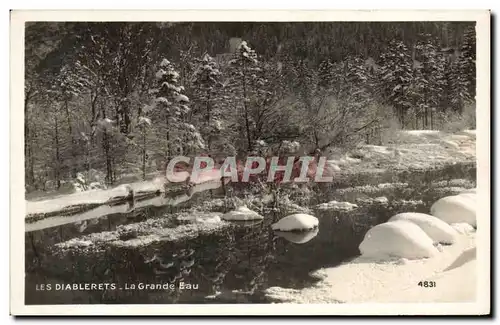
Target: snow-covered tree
(429,82)
(326,73)
(358,82)
(243,85)
(207,83)
(464,72)
(174,134)
(395,77)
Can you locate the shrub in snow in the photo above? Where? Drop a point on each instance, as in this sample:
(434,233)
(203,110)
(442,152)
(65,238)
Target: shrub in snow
(298,237)
(462,228)
(298,221)
(437,229)
(397,239)
(242,213)
(455,209)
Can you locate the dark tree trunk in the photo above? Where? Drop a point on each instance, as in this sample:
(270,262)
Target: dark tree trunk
(106,147)
(58,155)
(143,153)
(209,135)
(28,153)
(245,107)
(73,140)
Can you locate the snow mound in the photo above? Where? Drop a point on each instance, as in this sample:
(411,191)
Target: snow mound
(462,228)
(298,221)
(397,239)
(381,200)
(242,213)
(298,237)
(337,206)
(438,230)
(455,209)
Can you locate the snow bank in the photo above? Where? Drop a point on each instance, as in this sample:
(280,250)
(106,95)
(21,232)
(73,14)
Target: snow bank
(466,257)
(242,213)
(79,198)
(438,230)
(421,132)
(336,206)
(149,186)
(298,221)
(92,196)
(455,209)
(397,239)
(298,237)
(363,280)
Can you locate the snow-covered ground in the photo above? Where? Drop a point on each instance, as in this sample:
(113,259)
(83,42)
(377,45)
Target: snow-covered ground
(410,149)
(90,197)
(398,255)
(368,280)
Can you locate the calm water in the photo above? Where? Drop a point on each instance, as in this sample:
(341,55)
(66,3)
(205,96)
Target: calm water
(233,264)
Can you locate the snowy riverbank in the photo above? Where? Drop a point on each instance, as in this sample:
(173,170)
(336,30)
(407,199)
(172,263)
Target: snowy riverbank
(364,280)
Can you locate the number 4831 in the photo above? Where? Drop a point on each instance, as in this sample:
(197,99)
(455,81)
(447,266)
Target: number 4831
(427,284)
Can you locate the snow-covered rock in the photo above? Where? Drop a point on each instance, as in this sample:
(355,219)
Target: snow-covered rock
(397,239)
(462,228)
(337,206)
(455,209)
(298,237)
(381,200)
(298,221)
(437,229)
(242,213)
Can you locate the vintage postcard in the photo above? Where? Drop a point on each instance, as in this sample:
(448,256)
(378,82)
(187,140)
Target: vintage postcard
(250,163)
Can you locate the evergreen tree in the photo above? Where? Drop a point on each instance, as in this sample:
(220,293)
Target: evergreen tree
(207,83)
(429,82)
(465,86)
(243,85)
(174,134)
(395,77)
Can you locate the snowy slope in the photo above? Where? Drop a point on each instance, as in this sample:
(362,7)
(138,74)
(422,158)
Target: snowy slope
(415,149)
